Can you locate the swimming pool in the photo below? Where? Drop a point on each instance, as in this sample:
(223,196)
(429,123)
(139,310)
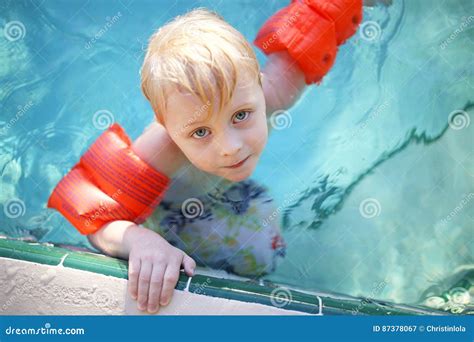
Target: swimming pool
(372,171)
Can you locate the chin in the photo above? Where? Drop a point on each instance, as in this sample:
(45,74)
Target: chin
(231,175)
(243,175)
(236,178)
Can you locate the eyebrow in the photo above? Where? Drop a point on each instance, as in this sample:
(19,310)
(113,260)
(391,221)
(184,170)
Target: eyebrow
(243,105)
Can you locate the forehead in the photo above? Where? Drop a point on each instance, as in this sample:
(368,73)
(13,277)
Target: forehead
(184,109)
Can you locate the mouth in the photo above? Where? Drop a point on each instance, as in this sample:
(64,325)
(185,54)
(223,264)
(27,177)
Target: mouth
(237,165)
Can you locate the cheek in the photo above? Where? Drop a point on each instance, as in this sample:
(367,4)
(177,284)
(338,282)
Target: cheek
(259,135)
(199,157)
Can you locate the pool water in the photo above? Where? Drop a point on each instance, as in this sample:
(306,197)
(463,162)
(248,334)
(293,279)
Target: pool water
(372,171)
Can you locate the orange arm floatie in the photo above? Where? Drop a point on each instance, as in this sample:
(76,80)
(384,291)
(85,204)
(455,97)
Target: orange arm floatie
(311,30)
(109,183)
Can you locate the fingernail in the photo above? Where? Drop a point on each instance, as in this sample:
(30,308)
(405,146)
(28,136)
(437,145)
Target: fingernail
(192,271)
(141,307)
(134,296)
(152,309)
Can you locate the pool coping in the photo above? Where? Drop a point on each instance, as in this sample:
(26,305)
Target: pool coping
(251,291)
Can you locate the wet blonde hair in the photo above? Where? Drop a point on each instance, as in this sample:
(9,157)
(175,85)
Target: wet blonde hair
(197,53)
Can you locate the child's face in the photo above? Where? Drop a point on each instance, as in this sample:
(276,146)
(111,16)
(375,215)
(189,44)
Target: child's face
(237,133)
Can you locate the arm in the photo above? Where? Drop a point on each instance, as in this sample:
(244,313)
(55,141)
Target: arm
(156,147)
(116,184)
(154,264)
(301,41)
(111,182)
(283,82)
(112,238)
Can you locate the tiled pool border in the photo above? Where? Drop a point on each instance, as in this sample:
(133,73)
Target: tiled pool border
(265,293)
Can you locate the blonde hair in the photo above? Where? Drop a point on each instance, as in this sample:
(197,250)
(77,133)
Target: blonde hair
(197,53)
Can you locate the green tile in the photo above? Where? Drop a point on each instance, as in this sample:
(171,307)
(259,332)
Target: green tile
(97,263)
(40,253)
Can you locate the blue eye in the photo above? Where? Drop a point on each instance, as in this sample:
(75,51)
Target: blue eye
(242,115)
(200,133)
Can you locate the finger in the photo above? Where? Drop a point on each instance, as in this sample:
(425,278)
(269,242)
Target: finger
(169,281)
(133,273)
(189,265)
(156,282)
(144,284)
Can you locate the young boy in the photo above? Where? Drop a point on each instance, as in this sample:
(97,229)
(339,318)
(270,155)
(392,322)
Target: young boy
(205,136)
(211,104)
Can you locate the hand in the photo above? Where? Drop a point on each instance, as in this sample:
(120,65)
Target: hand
(153,270)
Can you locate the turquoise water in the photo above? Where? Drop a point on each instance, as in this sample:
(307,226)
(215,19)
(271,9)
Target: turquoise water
(373,176)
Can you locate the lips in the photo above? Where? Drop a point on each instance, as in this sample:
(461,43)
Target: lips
(239,164)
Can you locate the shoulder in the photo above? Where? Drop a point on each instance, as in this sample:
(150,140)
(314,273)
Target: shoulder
(156,147)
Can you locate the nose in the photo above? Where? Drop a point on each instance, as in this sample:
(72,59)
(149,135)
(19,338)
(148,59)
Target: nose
(230,144)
